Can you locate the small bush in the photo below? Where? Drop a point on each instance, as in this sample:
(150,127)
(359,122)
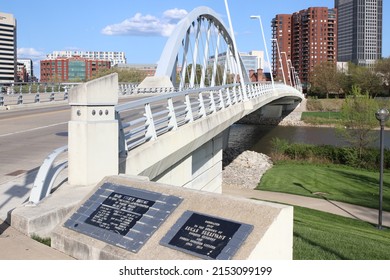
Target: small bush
(369,159)
(324,105)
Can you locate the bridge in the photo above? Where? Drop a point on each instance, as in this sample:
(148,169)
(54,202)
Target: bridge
(176,135)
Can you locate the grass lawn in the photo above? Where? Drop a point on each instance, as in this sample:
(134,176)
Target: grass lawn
(321,117)
(323,236)
(334,182)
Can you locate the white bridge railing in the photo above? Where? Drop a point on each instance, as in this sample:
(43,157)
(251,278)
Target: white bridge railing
(146,119)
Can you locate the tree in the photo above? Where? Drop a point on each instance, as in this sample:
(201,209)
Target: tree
(198,73)
(325,79)
(365,78)
(382,68)
(358,119)
(131,75)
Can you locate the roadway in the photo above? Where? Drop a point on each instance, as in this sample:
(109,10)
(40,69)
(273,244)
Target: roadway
(28,134)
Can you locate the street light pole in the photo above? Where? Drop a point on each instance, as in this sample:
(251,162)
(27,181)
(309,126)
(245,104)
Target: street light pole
(236,54)
(280,59)
(294,74)
(265,47)
(382,116)
(288,68)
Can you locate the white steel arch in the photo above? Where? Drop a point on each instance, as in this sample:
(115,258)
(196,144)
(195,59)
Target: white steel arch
(199,52)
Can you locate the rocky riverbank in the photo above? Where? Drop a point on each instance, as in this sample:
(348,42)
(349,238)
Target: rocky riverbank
(243,169)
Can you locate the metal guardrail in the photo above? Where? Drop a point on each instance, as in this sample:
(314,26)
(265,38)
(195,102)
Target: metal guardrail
(146,119)
(47,175)
(29,94)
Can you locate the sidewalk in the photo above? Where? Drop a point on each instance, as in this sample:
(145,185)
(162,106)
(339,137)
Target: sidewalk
(16,246)
(339,208)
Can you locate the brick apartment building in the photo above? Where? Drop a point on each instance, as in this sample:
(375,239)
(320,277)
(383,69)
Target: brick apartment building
(305,38)
(71,69)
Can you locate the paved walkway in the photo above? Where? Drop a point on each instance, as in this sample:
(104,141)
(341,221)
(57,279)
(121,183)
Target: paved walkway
(16,246)
(321,204)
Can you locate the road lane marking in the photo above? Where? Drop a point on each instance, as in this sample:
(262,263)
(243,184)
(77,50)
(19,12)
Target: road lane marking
(32,129)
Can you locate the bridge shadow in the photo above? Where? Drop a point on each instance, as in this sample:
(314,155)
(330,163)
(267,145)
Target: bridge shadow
(64,134)
(3,227)
(243,137)
(16,194)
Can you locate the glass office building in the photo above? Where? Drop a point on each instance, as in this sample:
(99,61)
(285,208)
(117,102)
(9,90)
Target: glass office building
(359,31)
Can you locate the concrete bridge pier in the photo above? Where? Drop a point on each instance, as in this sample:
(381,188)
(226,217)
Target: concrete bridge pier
(201,170)
(93,131)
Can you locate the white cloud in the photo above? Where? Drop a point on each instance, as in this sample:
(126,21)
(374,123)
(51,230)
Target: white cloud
(30,53)
(175,14)
(147,25)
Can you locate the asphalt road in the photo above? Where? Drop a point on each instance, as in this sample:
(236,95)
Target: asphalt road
(29,134)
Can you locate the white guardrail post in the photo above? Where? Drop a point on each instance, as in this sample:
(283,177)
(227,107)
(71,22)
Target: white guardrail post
(93,131)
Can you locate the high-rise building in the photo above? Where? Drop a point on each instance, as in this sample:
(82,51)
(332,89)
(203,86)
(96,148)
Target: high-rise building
(252,60)
(73,69)
(8,62)
(28,64)
(281,38)
(114,57)
(305,39)
(359,31)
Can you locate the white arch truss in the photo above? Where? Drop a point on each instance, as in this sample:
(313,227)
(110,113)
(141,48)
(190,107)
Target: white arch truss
(199,53)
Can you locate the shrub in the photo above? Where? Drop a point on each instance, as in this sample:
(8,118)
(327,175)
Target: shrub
(350,156)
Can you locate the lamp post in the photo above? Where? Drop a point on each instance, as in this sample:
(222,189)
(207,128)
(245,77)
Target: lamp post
(280,59)
(293,74)
(382,116)
(288,68)
(236,51)
(265,47)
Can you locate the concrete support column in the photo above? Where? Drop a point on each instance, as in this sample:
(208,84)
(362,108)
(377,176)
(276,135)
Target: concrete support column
(201,170)
(93,131)
(272,111)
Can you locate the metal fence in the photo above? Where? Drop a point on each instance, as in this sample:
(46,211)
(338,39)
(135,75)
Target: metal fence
(17,94)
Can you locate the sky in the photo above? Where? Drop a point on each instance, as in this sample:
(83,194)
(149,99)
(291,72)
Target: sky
(140,28)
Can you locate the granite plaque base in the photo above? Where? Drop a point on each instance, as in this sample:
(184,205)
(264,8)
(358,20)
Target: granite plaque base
(126,218)
(122,216)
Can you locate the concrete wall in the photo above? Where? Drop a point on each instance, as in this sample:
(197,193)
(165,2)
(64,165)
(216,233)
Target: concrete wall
(270,239)
(201,170)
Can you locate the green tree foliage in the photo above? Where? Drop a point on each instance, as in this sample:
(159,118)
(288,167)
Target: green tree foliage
(358,120)
(198,73)
(365,78)
(124,75)
(325,79)
(208,75)
(382,67)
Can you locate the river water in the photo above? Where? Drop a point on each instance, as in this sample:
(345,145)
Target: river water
(258,138)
